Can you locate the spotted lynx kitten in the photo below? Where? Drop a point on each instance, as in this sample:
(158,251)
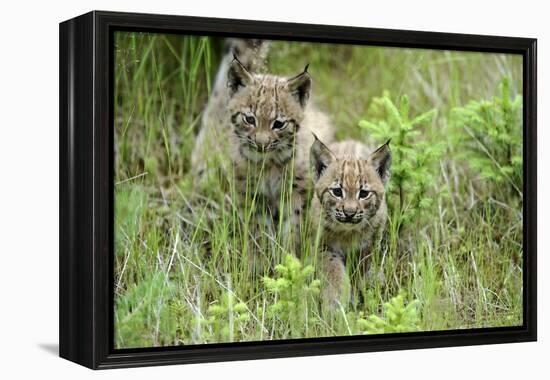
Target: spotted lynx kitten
(264,124)
(349,200)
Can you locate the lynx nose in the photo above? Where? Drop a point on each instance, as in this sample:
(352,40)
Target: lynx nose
(349,212)
(262,141)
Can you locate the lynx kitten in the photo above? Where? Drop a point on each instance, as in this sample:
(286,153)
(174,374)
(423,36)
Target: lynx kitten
(264,124)
(349,200)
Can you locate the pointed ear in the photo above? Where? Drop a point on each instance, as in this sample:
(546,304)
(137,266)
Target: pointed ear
(320,158)
(380,160)
(300,87)
(237,76)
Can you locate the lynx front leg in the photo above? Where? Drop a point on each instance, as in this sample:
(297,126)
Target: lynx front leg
(335,282)
(296,220)
(248,206)
(371,260)
(299,200)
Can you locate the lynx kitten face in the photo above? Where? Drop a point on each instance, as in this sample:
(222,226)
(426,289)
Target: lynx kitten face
(266,112)
(350,183)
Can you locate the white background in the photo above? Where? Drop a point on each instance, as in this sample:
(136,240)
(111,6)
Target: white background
(29,187)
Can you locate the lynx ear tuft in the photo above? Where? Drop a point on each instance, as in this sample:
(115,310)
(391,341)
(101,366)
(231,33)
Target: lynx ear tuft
(380,159)
(237,76)
(300,87)
(320,157)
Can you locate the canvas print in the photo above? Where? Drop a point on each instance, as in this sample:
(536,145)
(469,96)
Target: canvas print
(270,190)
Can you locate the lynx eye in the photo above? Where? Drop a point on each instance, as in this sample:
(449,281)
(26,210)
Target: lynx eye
(337,192)
(249,119)
(278,124)
(364,194)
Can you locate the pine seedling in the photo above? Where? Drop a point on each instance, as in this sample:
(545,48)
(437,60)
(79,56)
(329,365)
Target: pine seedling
(225,319)
(397,317)
(494,137)
(415,156)
(293,287)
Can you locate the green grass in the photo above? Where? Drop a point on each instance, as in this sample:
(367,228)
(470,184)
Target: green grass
(186,264)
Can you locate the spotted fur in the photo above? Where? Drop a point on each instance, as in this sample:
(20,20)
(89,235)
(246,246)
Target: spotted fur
(349,200)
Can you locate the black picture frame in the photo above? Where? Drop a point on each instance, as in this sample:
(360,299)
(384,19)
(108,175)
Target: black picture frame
(86,189)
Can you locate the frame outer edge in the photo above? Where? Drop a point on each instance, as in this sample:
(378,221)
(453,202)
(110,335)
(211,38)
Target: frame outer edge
(66,327)
(530,178)
(103,194)
(76,309)
(85,133)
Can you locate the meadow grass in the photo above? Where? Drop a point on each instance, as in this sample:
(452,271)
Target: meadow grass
(187,262)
